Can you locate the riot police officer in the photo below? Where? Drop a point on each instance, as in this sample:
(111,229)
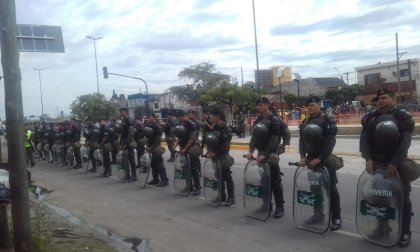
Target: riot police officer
(241,125)
(218,145)
(114,135)
(92,140)
(189,146)
(75,141)
(385,139)
(127,142)
(168,129)
(192,116)
(268,130)
(206,127)
(316,143)
(153,132)
(106,147)
(139,138)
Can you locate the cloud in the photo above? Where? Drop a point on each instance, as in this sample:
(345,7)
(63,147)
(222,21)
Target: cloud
(155,40)
(368,21)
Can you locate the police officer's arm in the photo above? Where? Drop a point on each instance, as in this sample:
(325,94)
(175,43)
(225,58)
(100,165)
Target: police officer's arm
(157,137)
(285,133)
(130,135)
(105,138)
(364,139)
(302,152)
(225,139)
(191,140)
(330,132)
(406,129)
(253,142)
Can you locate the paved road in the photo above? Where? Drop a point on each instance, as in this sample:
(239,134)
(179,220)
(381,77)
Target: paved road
(169,222)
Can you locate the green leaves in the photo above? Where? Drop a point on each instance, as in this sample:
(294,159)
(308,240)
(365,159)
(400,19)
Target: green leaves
(345,94)
(94,107)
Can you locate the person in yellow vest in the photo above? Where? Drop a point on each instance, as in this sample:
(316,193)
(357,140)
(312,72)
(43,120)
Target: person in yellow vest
(28,147)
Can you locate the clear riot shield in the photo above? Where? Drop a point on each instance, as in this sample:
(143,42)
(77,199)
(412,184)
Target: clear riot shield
(47,151)
(97,155)
(212,182)
(54,149)
(69,157)
(311,199)
(144,169)
(182,174)
(122,165)
(39,150)
(379,207)
(257,190)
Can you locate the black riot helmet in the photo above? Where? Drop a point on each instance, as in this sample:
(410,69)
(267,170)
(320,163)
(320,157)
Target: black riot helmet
(312,133)
(148,132)
(68,133)
(260,131)
(212,141)
(180,132)
(87,132)
(96,132)
(387,134)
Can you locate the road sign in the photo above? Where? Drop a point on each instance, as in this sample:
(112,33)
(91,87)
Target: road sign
(39,38)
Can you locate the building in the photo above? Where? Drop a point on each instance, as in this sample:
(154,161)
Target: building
(307,87)
(157,102)
(120,100)
(384,75)
(267,78)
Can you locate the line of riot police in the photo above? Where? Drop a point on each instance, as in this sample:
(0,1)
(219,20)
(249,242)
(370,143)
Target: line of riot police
(61,144)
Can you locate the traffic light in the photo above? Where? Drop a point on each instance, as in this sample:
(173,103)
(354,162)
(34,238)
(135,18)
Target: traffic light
(105,69)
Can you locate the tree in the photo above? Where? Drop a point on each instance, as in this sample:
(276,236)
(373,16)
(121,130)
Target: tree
(205,75)
(345,95)
(94,107)
(232,96)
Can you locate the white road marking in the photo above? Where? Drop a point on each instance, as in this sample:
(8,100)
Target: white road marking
(348,234)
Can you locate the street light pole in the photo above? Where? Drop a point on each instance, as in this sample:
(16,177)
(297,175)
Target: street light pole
(257,81)
(96,60)
(40,87)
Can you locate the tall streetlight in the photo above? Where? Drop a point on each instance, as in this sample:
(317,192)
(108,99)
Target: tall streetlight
(257,80)
(96,60)
(40,87)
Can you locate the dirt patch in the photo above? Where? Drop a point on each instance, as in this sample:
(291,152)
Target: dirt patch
(52,232)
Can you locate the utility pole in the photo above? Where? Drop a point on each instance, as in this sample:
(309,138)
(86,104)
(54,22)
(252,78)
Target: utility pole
(347,77)
(96,59)
(40,88)
(398,69)
(15,130)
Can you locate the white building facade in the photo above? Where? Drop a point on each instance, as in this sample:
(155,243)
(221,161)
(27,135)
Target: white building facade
(385,75)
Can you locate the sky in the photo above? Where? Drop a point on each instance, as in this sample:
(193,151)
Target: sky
(156,39)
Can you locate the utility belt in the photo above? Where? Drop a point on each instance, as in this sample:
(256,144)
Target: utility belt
(226,161)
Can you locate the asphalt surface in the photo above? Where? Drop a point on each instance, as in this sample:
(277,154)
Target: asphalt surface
(166,221)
